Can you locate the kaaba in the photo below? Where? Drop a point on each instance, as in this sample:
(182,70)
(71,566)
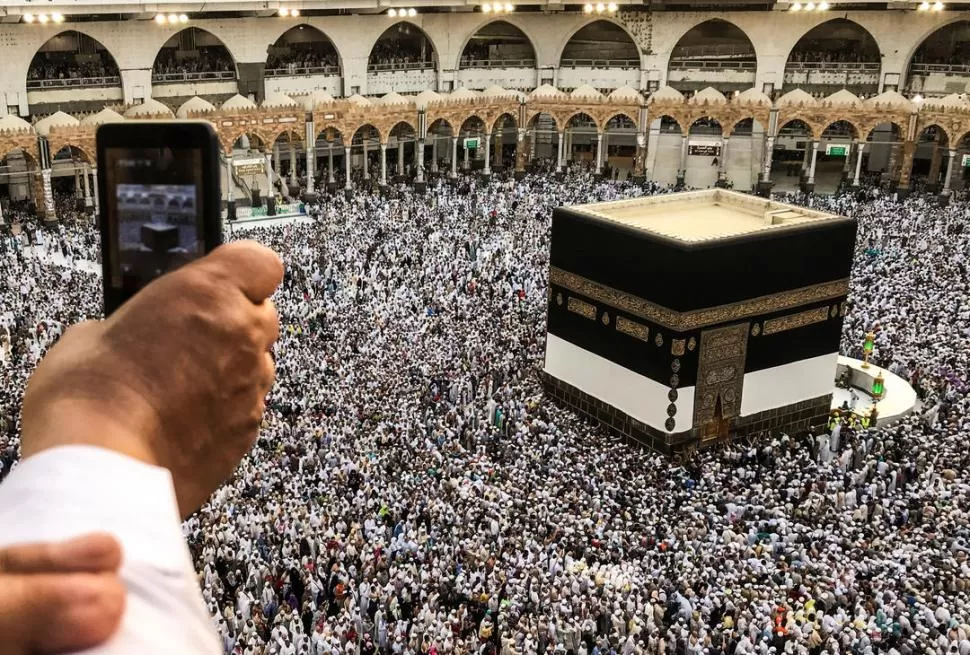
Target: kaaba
(680,320)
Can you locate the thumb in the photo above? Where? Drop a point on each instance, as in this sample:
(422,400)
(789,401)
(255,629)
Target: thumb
(54,613)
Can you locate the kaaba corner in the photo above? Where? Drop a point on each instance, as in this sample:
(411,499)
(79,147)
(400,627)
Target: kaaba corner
(681,319)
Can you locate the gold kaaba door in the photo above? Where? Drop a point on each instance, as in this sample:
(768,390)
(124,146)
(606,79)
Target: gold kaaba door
(720,379)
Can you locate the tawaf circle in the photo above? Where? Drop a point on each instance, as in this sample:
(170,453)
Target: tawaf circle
(670,424)
(672,395)
(671,409)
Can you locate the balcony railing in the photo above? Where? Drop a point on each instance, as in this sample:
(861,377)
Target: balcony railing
(202,76)
(302,70)
(401,66)
(927,69)
(498,63)
(713,64)
(835,66)
(599,63)
(715,50)
(74,82)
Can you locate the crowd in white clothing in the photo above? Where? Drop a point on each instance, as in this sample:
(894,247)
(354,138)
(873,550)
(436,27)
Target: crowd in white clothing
(413,491)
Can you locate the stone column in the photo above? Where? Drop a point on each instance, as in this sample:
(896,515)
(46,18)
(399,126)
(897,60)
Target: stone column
(847,164)
(311,165)
(366,161)
(811,169)
(77,179)
(488,153)
(722,162)
(347,184)
(454,156)
(330,162)
(229,181)
(419,160)
(946,181)
(384,163)
(464,161)
(520,151)
(94,186)
(906,167)
(640,159)
(860,147)
(562,147)
(766,159)
(936,163)
(270,195)
(599,153)
(434,153)
(682,172)
(497,154)
(400,158)
(292,163)
(276,157)
(87,186)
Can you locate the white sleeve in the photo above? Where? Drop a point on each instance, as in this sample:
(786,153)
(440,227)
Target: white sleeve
(73,490)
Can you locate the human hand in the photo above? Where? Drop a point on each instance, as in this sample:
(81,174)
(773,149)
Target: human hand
(176,377)
(59,597)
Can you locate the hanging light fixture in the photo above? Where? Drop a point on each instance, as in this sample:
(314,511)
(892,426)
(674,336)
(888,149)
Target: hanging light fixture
(588,8)
(612,7)
(796,6)
(412,12)
(42,19)
(937,6)
(57,17)
(28,18)
(392,12)
(283,12)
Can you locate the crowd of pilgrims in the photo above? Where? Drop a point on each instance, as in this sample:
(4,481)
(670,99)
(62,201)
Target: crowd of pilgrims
(413,491)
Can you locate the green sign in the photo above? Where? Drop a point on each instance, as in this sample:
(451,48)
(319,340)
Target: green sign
(966,161)
(471,144)
(836,151)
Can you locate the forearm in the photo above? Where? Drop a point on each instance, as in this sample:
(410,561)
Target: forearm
(67,491)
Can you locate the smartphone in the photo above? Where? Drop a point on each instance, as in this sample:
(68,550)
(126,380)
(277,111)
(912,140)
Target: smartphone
(158,182)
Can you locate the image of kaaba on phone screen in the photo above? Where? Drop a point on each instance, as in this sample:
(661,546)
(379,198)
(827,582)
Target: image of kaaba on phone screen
(157,213)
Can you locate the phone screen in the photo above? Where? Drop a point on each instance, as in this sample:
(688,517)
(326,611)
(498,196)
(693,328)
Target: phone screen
(154,212)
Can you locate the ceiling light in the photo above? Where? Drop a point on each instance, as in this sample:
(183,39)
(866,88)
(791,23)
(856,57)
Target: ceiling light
(796,7)
(173,18)
(938,6)
(294,12)
(823,6)
(611,7)
(588,8)
(284,12)
(486,8)
(392,12)
(160,19)
(42,19)
(600,8)
(183,18)
(57,18)
(509,7)
(412,12)
(917,98)
(28,18)
(924,6)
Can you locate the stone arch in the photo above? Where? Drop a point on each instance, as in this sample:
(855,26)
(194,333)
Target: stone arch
(813,129)
(73,148)
(556,118)
(273,135)
(947,134)
(498,119)
(463,129)
(572,115)
(565,44)
(816,30)
(381,137)
(633,119)
(504,20)
(732,126)
(926,36)
(314,29)
(677,52)
(197,30)
(410,25)
(257,140)
(670,117)
(435,120)
(866,130)
(854,136)
(80,35)
(30,157)
(705,121)
(324,130)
